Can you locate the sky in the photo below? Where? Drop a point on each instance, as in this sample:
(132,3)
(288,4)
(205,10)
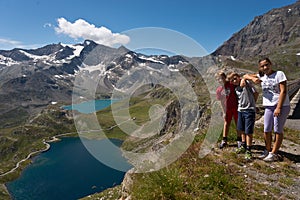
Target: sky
(30,24)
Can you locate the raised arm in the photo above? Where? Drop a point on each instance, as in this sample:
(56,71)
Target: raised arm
(252,77)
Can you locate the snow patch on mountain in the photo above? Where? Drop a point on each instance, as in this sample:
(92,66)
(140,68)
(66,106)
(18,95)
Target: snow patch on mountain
(7,61)
(77,50)
(151,59)
(37,58)
(100,67)
(173,68)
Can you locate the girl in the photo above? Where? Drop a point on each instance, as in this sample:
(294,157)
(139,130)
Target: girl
(276,103)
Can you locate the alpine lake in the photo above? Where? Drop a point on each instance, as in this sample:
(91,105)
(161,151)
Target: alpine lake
(67,170)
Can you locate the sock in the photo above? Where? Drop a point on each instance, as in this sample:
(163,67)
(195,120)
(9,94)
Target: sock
(225,139)
(239,142)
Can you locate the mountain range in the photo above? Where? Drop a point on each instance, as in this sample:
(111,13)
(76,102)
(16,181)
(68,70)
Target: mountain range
(30,79)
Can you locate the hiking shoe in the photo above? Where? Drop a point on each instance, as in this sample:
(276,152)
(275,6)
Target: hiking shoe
(264,154)
(239,144)
(271,157)
(248,155)
(240,150)
(223,144)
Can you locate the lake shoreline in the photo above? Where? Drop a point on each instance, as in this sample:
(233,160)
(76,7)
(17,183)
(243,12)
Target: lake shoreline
(34,153)
(54,138)
(49,170)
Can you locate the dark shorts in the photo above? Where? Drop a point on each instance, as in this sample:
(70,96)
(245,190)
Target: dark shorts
(246,120)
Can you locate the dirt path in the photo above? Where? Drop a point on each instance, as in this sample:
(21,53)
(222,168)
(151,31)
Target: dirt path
(53,139)
(29,156)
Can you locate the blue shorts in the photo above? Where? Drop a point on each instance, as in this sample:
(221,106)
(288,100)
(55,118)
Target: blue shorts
(246,120)
(270,121)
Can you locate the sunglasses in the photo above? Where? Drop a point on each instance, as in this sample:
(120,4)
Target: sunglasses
(267,65)
(234,79)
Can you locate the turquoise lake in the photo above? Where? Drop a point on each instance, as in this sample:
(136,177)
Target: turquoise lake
(68,171)
(90,106)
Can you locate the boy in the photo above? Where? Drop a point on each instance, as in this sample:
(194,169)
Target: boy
(247,96)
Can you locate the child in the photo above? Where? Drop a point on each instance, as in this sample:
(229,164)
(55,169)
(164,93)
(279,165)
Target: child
(226,94)
(277,106)
(247,96)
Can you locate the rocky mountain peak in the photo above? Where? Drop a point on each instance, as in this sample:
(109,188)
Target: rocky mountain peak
(45,50)
(265,34)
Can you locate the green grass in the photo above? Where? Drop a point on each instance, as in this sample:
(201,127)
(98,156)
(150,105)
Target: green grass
(292,135)
(138,114)
(13,117)
(193,178)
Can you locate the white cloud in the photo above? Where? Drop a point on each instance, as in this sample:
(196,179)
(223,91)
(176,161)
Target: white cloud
(7,44)
(46,25)
(82,29)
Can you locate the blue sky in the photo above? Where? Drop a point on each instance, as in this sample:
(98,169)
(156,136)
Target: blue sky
(32,23)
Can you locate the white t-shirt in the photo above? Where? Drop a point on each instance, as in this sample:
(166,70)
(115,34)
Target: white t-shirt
(271,90)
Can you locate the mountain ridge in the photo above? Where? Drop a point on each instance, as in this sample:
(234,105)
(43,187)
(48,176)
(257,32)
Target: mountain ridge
(264,34)
(33,78)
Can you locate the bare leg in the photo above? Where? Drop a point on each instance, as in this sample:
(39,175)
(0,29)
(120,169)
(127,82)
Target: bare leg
(278,142)
(243,137)
(238,133)
(225,134)
(268,140)
(249,139)
(226,128)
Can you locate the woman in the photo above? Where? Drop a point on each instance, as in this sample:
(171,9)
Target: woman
(276,103)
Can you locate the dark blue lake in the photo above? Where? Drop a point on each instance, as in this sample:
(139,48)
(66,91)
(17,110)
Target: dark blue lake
(66,171)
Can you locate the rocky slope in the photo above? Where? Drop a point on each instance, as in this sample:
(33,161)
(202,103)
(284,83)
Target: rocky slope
(265,34)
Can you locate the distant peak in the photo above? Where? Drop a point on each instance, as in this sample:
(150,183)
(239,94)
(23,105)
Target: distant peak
(123,49)
(89,42)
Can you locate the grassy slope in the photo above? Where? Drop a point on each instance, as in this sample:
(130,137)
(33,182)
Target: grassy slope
(220,175)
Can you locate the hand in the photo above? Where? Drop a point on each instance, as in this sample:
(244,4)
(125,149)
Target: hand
(256,80)
(277,112)
(243,82)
